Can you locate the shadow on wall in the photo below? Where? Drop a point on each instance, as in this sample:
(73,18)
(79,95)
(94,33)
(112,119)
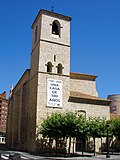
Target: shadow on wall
(49,146)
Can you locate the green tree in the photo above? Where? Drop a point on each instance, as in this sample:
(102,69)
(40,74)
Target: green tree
(97,128)
(51,127)
(115,127)
(59,125)
(82,129)
(69,127)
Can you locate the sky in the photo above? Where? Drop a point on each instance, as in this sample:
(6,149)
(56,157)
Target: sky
(95,39)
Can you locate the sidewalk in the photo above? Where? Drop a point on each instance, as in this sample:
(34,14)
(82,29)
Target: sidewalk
(27,156)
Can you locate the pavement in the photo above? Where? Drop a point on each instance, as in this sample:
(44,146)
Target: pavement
(5,152)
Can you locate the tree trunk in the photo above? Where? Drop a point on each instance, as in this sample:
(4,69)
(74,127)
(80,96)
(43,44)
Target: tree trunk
(56,144)
(69,147)
(101,145)
(73,144)
(94,146)
(82,146)
(112,146)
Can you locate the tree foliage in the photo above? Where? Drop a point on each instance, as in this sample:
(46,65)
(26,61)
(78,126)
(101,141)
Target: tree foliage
(51,127)
(114,127)
(97,127)
(70,125)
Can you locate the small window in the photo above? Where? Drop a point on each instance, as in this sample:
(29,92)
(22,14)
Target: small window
(49,67)
(56,28)
(59,68)
(54,58)
(36,30)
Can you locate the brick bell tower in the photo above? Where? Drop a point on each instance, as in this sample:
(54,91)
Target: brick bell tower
(50,61)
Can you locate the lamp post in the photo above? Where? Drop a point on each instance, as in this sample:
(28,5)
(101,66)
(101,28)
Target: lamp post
(107,143)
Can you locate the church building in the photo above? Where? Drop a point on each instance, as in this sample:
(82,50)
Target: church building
(49,86)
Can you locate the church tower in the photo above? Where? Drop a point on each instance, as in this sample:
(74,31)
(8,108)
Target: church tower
(50,66)
(48,86)
(51,43)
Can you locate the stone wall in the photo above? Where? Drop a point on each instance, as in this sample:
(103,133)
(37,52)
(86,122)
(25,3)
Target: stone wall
(17,113)
(32,111)
(62,56)
(91,109)
(46,29)
(83,86)
(42,109)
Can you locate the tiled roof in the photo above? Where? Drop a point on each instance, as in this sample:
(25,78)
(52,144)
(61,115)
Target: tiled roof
(85,98)
(81,76)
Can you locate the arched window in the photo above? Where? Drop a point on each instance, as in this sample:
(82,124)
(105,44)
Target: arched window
(56,28)
(59,68)
(49,67)
(81,112)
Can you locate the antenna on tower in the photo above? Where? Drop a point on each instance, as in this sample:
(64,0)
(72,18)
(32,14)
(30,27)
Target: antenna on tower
(52,8)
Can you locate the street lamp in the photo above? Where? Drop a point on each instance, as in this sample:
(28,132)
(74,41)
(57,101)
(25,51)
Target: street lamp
(107,143)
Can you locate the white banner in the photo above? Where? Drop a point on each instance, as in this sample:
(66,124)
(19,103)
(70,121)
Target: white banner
(54,93)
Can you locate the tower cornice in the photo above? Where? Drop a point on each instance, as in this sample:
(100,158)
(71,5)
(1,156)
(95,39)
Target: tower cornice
(67,18)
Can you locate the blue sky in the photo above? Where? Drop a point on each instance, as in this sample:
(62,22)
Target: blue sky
(95,39)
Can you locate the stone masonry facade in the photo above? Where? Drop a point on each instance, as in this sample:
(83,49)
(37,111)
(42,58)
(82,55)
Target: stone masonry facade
(50,60)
